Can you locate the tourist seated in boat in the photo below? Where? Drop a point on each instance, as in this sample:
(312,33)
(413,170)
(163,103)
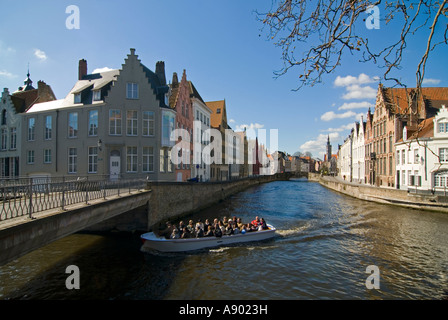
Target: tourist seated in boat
(256,221)
(181,225)
(229,230)
(218,232)
(199,224)
(240,223)
(206,225)
(225,222)
(236,230)
(199,232)
(209,232)
(190,226)
(175,234)
(186,233)
(263,224)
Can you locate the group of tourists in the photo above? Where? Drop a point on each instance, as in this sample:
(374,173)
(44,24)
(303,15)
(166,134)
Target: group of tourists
(217,228)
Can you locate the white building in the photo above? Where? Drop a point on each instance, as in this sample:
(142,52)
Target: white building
(345,156)
(358,153)
(422,155)
(201,136)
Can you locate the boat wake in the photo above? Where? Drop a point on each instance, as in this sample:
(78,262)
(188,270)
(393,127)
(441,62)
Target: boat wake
(294,231)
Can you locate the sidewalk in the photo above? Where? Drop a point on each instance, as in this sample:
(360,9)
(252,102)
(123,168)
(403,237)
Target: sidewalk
(385,195)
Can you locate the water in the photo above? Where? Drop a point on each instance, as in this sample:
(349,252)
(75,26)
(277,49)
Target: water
(325,243)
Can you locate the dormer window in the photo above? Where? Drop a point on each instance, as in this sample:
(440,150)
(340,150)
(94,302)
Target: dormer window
(96,95)
(77,98)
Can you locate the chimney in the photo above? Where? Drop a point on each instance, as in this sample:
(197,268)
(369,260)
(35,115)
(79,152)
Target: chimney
(175,81)
(82,70)
(160,72)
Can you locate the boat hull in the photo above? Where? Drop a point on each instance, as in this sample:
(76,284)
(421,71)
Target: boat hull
(152,242)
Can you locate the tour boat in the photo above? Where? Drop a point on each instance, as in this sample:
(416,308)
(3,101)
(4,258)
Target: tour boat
(152,242)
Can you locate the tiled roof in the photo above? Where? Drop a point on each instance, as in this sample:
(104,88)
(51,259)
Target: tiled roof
(217,118)
(399,97)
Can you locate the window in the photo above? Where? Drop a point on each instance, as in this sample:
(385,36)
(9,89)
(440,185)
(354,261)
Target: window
(443,154)
(93,159)
(47,156)
(398,157)
(403,177)
(115,122)
(93,123)
(30,157)
(73,124)
(4,139)
(403,156)
(77,98)
(72,160)
(48,127)
(96,95)
(162,160)
(3,117)
(416,157)
(131,122)
(148,159)
(441,179)
(148,123)
(31,129)
(443,127)
(131,159)
(132,90)
(13,142)
(390,165)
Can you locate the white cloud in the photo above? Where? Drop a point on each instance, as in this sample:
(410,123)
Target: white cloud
(351,80)
(99,70)
(330,115)
(251,126)
(349,126)
(356,105)
(232,121)
(318,146)
(357,92)
(7,74)
(40,54)
(431,81)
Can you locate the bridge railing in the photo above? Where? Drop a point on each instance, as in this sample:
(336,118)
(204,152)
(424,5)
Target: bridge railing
(24,197)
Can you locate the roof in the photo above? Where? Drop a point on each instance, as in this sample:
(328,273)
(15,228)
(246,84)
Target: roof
(424,130)
(433,97)
(94,81)
(218,116)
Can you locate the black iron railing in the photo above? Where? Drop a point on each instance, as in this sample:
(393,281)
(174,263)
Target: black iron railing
(26,196)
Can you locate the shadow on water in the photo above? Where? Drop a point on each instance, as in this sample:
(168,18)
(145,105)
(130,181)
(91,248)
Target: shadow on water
(111,267)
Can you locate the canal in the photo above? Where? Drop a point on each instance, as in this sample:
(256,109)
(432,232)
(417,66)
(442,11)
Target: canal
(325,243)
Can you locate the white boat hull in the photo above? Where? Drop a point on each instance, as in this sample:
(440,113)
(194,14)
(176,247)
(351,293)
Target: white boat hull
(152,242)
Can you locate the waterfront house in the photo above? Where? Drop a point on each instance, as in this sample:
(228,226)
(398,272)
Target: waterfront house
(115,123)
(12,106)
(369,155)
(346,159)
(422,155)
(180,102)
(358,152)
(201,135)
(219,168)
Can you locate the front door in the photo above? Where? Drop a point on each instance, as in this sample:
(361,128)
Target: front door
(115,166)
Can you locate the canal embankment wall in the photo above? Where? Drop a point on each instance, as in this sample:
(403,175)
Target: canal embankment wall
(173,200)
(389,196)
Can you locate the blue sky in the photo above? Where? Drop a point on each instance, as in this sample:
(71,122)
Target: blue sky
(222,49)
